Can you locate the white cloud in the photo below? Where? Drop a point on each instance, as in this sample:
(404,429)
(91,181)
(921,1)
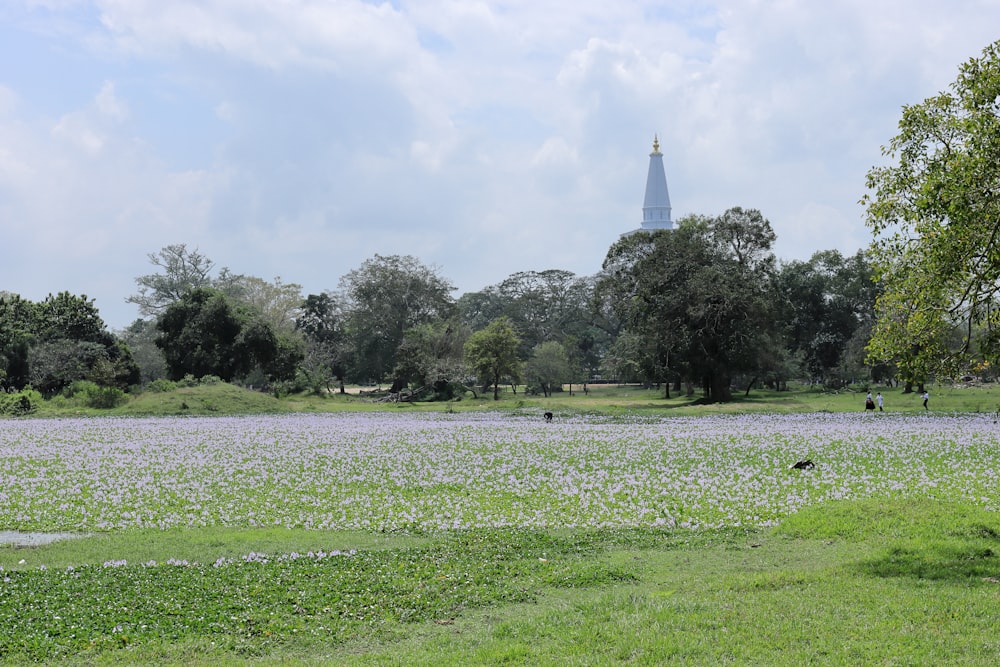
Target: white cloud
(555,151)
(297,138)
(295,33)
(109,105)
(88,129)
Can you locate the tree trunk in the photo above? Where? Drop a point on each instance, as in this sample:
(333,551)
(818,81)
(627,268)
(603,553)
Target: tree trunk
(496,391)
(750,386)
(719,388)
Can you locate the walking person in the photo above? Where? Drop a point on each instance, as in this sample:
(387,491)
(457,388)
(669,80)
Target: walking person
(869,403)
(926,396)
(878,399)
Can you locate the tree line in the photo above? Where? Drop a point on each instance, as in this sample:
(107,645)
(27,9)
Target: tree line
(705,306)
(702,306)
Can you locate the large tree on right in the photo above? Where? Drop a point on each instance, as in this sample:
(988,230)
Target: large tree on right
(935,216)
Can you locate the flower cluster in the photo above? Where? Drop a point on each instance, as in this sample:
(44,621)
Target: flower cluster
(387,471)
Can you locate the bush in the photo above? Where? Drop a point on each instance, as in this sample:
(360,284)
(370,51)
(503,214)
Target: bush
(105,397)
(92,395)
(20,403)
(80,388)
(161,385)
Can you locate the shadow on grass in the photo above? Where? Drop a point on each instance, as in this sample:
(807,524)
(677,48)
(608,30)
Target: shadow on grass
(919,538)
(937,562)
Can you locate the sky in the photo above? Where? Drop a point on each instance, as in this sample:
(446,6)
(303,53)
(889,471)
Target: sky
(299,138)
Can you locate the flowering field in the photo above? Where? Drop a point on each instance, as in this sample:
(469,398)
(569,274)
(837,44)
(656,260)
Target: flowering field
(390,471)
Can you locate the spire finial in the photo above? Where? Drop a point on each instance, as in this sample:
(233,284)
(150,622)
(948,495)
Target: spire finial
(656,144)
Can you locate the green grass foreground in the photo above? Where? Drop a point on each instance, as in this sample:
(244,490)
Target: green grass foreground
(861,582)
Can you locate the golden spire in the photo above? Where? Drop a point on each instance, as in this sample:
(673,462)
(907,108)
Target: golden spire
(656,144)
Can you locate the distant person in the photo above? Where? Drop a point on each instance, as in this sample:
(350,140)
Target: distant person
(926,397)
(878,399)
(869,403)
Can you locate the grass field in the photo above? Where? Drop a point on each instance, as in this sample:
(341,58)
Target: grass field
(600,399)
(618,534)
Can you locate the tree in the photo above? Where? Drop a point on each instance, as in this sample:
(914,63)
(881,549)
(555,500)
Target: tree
(385,297)
(625,360)
(548,366)
(198,335)
(698,296)
(68,341)
(492,354)
(56,364)
(544,305)
(277,302)
(16,318)
(203,333)
(183,271)
(140,337)
(826,305)
(935,217)
(432,355)
(551,305)
(320,320)
(70,317)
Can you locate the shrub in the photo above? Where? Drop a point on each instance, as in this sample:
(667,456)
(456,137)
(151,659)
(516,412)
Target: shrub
(80,388)
(105,397)
(20,403)
(161,385)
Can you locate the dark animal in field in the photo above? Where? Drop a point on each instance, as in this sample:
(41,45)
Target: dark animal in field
(804,465)
(548,416)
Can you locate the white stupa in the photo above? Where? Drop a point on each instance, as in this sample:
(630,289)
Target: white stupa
(656,205)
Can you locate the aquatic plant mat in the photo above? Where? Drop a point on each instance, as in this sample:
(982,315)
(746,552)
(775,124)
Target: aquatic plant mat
(472,540)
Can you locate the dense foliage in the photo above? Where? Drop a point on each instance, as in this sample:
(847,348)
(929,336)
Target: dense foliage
(935,215)
(492,354)
(387,296)
(705,304)
(696,300)
(203,333)
(826,312)
(51,344)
